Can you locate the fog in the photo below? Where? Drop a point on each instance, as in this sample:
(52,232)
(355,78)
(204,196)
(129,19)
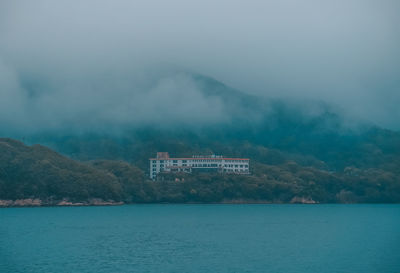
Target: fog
(94,64)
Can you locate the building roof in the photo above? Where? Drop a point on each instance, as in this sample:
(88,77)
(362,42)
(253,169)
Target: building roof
(195,158)
(179,167)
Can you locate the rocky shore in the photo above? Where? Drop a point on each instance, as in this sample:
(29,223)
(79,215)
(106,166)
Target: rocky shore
(30,202)
(35,202)
(302,200)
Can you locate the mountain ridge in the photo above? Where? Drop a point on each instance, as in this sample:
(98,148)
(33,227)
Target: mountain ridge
(274,134)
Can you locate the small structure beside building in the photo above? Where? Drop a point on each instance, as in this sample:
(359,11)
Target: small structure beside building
(197,163)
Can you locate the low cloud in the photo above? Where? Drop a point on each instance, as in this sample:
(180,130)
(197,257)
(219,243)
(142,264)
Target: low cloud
(100,64)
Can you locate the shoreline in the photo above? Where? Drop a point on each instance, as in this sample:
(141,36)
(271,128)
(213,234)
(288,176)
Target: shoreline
(188,203)
(65,202)
(34,203)
(29,202)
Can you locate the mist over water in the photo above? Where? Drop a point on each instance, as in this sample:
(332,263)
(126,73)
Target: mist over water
(96,65)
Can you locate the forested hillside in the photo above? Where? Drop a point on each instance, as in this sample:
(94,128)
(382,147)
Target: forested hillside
(37,172)
(299,152)
(270,131)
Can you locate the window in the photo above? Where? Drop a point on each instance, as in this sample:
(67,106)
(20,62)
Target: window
(184,161)
(174,161)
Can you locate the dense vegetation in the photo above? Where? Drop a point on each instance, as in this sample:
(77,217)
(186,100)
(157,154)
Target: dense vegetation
(38,172)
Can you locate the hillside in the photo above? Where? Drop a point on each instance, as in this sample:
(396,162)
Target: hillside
(310,133)
(298,149)
(37,172)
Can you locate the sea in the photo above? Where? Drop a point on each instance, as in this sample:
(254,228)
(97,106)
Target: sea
(201,238)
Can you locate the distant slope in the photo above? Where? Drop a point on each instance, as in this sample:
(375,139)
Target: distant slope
(310,133)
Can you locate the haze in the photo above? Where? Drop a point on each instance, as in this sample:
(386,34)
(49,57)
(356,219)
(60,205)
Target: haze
(90,64)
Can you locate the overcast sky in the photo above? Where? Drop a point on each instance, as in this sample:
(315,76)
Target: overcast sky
(90,62)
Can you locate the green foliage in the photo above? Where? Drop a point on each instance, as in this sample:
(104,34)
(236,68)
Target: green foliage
(278,177)
(38,172)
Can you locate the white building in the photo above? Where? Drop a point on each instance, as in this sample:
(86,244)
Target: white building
(213,163)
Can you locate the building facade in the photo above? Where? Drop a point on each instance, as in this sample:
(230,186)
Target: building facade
(165,164)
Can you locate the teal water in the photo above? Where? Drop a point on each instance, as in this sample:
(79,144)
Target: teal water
(201,238)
